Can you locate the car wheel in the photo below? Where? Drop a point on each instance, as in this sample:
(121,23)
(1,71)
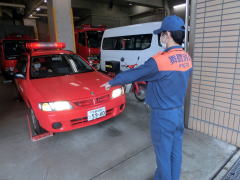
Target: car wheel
(35,124)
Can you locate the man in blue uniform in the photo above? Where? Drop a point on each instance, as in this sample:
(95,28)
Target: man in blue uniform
(167,74)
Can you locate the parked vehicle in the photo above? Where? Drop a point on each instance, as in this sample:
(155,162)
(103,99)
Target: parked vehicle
(10,48)
(62,91)
(88,40)
(138,88)
(130,43)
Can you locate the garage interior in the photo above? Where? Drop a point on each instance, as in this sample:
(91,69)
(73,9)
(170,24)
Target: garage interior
(121,148)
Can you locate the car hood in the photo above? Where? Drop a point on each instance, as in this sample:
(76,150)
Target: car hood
(70,87)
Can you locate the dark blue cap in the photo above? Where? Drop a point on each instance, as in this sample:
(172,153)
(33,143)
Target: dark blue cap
(171,23)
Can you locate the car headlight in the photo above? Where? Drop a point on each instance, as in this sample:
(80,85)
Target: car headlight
(55,106)
(117,92)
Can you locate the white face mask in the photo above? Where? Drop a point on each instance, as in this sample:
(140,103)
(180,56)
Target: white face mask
(162,39)
(164,45)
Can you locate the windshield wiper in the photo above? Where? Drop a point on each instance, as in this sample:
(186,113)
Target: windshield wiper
(87,70)
(49,76)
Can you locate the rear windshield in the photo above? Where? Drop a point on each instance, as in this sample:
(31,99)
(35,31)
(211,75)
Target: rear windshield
(57,65)
(94,39)
(134,42)
(13,49)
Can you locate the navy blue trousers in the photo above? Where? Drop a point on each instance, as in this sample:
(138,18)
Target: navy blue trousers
(167,128)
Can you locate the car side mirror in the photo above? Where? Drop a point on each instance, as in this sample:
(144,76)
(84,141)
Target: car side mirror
(19,76)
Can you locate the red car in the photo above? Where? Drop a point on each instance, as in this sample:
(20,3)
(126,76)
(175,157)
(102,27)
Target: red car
(62,91)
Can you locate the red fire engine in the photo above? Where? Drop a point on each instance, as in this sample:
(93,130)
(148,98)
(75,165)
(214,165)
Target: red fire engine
(88,40)
(11,47)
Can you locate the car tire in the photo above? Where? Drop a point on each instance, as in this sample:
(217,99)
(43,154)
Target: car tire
(35,124)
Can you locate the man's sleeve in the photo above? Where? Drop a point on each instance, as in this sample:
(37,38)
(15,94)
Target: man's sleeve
(141,73)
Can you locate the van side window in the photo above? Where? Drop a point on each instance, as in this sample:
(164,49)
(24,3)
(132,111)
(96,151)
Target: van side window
(112,43)
(146,41)
(82,39)
(130,43)
(138,42)
(134,42)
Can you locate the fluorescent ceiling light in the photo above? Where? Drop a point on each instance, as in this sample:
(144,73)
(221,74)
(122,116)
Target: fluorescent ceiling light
(179,6)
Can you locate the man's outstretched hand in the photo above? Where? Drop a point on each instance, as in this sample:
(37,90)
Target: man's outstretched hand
(106,85)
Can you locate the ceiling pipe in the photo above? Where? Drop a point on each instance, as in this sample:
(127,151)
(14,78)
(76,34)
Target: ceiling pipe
(143,4)
(166,6)
(12,5)
(34,4)
(43,7)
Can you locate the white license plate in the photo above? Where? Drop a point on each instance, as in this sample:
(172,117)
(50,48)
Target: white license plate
(96,113)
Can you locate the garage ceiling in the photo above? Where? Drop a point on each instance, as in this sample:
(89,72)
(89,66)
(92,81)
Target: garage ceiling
(31,5)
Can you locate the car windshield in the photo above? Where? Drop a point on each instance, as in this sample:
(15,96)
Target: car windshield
(94,38)
(13,48)
(57,65)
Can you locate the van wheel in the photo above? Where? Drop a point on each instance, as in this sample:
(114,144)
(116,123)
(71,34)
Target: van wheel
(140,95)
(35,124)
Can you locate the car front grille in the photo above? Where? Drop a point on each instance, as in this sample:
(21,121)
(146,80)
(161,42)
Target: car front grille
(82,103)
(94,101)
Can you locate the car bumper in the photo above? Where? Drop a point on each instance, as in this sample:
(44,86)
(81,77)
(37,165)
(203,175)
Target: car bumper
(77,117)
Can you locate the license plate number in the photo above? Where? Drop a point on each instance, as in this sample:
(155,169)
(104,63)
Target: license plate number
(96,113)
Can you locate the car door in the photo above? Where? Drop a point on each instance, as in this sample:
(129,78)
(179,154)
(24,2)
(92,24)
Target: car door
(21,68)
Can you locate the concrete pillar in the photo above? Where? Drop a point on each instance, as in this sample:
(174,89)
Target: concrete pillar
(31,22)
(60,21)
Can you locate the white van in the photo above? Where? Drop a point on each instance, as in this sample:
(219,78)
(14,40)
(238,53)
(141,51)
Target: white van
(133,44)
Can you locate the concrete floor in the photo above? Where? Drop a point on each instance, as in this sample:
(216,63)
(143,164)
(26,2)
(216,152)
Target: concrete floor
(118,149)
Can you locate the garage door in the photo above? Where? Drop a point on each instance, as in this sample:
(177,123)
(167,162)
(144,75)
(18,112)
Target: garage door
(215,92)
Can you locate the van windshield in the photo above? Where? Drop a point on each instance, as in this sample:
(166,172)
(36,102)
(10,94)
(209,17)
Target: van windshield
(14,48)
(94,38)
(57,65)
